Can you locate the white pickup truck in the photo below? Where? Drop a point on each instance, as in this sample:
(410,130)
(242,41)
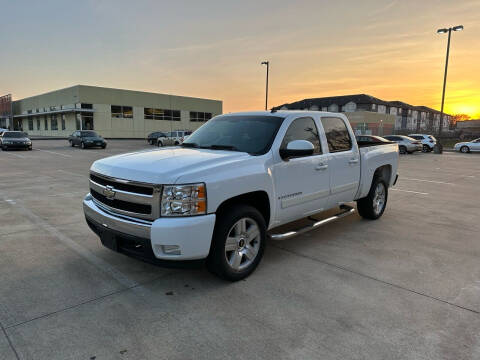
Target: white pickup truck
(225,190)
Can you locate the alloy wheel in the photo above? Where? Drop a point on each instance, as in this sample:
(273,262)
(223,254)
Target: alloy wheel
(242,244)
(379,198)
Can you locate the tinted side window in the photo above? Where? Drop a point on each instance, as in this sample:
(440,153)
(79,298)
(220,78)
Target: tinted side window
(303,129)
(337,134)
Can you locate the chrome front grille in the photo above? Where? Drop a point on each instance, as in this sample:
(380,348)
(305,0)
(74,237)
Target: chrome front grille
(125,197)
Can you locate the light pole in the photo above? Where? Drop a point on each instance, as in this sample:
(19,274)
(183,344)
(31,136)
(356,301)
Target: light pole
(267,63)
(443,31)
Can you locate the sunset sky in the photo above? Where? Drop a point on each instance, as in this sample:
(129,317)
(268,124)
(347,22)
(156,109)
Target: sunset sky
(213,49)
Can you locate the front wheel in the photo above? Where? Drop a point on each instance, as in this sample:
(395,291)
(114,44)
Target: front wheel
(82,145)
(159,144)
(238,242)
(464,149)
(426,148)
(373,205)
(104,146)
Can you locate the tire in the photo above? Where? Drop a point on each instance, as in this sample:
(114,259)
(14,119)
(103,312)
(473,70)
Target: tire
(426,148)
(464,149)
(159,144)
(177,143)
(402,149)
(30,148)
(234,256)
(104,146)
(368,207)
(71,143)
(82,145)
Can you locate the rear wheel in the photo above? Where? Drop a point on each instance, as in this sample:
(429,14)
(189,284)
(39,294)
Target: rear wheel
(159,143)
(373,205)
(71,143)
(402,149)
(425,148)
(238,242)
(465,149)
(82,145)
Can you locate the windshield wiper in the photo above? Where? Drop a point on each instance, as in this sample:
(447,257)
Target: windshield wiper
(189,145)
(220,147)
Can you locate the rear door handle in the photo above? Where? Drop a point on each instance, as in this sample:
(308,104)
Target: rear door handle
(321,167)
(353,161)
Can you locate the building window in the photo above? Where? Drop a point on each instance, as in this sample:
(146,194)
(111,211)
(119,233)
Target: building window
(77,121)
(63,122)
(86,106)
(161,114)
(119,111)
(127,112)
(53,122)
(38,124)
(46,122)
(30,123)
(198,116)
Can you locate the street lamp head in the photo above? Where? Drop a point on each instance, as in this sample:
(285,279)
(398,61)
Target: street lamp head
(458,28)
(264,63)
(442,31)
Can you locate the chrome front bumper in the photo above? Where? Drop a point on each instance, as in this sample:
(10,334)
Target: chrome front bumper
(138,228)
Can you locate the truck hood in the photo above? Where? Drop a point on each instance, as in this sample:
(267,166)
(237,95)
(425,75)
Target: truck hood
(165,165)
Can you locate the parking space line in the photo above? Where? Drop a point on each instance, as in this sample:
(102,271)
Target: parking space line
(54,152)
(72,173)
(429,181)
(410,191)
(19,156)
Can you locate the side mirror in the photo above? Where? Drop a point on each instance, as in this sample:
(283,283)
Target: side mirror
(297,148)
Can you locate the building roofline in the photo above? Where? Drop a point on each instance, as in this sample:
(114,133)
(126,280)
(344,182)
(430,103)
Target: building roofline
(110,88)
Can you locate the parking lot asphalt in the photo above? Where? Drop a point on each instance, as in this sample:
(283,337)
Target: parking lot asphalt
(404,287)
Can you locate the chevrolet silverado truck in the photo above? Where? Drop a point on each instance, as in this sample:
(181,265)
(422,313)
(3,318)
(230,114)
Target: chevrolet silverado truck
(218,197)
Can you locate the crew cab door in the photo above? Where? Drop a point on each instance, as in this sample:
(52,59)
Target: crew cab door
(302,184)
(344,160)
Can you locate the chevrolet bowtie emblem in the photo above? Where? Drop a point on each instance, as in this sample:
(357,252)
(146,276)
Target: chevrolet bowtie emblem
(109,192)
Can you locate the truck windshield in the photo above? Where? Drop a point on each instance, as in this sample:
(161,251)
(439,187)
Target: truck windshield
(253,134)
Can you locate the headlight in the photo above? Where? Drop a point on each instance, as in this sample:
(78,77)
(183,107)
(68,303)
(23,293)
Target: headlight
(184,200)
(7,142)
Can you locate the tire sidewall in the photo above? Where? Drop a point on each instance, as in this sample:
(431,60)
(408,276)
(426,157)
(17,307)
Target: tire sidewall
(216,260)
(402,149)
(464,149)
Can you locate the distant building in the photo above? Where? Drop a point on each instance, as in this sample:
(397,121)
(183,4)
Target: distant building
(469,127)
(114,113)
(390,116)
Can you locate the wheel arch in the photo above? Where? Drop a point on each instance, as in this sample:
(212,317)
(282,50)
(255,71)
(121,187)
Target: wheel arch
(384,172)
(257,199)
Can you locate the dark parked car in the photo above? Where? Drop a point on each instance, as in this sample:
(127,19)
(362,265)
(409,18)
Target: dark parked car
(87,138)
(15,140)
(371,140)
(153,137)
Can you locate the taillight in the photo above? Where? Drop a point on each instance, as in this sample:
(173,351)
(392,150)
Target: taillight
(431,140)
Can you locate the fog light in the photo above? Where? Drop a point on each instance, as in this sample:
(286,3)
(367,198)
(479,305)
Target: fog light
(171,249)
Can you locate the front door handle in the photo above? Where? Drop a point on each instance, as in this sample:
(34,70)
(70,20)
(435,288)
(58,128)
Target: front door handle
(353,161)
(321,167)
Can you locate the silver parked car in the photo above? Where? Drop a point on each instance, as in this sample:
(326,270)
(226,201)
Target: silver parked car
(173,138)
(467,146)
(428,141)
(405,144)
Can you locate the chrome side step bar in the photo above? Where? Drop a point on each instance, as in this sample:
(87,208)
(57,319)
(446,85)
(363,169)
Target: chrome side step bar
(346,210)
